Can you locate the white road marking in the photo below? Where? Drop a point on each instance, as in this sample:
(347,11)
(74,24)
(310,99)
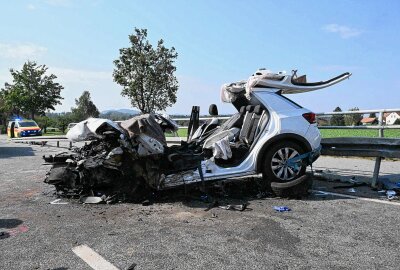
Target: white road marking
(93,259)
(355,197)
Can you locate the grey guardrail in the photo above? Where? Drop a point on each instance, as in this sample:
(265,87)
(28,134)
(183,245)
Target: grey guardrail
(43,140)
(361,147)
(40,138)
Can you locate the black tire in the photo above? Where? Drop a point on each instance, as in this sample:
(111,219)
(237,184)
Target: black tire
(269,175)
(294,189)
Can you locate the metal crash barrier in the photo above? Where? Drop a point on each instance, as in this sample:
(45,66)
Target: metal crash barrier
(43,140)
(363,147)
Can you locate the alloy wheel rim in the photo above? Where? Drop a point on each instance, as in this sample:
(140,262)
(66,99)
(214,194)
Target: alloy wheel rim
(279,164)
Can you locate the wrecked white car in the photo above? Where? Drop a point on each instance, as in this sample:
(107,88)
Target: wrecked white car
(270,134)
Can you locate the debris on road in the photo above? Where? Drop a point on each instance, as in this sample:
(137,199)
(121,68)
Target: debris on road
(351,190)
(282,208)
(4,235)
(13,232)
(238,207)
(234,207)
(212,205)
(91,200)
(391,195)
(385,183)
(146,203)
(351,186)
(58,201)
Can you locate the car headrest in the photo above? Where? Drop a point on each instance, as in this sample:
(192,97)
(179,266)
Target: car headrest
(249,108)
(242,110)
(258,109)
(213,110)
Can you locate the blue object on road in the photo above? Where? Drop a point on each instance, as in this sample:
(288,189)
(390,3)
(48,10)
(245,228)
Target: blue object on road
(282,208)
(388,185)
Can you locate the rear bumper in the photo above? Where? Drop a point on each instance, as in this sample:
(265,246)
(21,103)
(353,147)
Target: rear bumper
(313,136)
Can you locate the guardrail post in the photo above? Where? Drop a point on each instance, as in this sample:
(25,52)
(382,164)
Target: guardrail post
(378,160)
(380,123)
(70,144)
(58,143)
(376,171)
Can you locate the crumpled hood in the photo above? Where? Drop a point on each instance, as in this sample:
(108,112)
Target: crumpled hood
(90,128)
(144,124)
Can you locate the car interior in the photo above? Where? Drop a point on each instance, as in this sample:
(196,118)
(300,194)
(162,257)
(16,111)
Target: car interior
(242,130)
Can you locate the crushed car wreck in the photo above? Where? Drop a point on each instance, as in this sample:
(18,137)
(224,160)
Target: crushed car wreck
(269,134)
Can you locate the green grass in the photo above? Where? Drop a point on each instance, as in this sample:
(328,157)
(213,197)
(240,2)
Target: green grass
(53,133)
(333,133)
(182,132)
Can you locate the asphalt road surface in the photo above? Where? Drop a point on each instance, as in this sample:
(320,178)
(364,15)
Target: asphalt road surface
(321,232)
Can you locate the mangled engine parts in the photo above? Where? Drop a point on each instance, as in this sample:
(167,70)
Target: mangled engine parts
(124,160)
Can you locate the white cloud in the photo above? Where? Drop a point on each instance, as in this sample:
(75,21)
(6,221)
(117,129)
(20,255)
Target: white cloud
(30,7)
(342,30)
(21,51)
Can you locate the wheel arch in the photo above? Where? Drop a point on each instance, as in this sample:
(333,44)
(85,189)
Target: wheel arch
(280,138)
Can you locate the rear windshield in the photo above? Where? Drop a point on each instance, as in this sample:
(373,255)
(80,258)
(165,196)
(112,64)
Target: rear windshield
(27,124)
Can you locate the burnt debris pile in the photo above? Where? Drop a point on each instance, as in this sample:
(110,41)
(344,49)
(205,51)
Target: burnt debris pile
(121,162)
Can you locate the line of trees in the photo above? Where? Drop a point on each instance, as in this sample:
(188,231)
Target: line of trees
(34,93)
(84,109)
(347,119)
(146,74)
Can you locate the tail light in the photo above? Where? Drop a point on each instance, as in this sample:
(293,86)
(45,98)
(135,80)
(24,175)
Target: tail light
(310,117)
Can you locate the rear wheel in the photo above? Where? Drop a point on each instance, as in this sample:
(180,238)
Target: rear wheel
(276,167)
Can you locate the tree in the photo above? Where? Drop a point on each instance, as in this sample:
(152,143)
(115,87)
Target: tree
(32,92)
(372,115)
(62,121)
(353,119)
(146,73)
(85,107)
(337,119)
(3,111)
(43,122)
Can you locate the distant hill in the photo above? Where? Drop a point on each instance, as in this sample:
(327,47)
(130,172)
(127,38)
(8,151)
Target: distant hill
(118,115)
(124,111)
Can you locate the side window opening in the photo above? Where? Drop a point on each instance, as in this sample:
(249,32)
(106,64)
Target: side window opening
(288,99)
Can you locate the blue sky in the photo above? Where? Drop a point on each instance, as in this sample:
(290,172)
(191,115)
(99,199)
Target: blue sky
(217,42)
